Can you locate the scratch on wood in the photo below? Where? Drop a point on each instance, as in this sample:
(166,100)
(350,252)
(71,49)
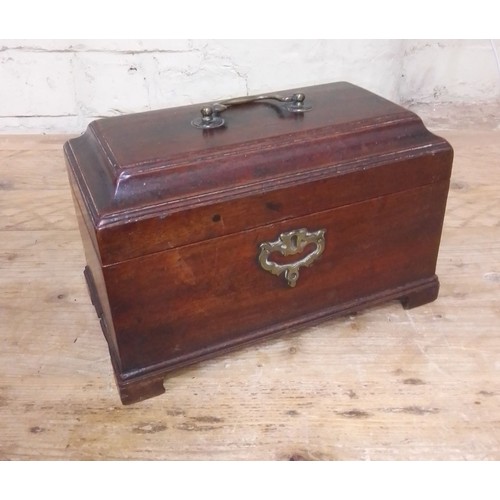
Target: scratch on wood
(412,323)
(187,426)
(494,277)
(36,429)
(426,356)
(306,455)
(412,410)
(208,419)
(459,185)
(175,412)
(6,185)
(413,381)
(146,428)
(270,428)
(355,413)
(486,393)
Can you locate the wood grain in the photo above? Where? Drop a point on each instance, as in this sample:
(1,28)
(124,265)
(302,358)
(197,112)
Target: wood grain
(387,383)
(184,213)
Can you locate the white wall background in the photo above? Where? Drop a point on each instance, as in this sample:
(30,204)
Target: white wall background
(61,85)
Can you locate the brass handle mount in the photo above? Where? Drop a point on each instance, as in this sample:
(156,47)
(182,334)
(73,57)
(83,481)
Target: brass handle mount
(210,114)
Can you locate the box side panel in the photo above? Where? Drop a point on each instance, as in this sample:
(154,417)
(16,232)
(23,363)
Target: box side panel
(93,273)
(177,306)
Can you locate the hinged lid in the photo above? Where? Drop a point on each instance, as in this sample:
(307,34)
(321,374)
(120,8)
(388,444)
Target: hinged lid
(138,165)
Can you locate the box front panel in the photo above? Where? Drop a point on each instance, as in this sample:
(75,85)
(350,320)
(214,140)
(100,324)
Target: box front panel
(177,306)
(354,181)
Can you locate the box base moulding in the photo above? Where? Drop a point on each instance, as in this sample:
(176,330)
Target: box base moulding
(144,384)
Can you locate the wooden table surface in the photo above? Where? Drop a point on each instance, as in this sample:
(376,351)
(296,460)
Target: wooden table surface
(383,384)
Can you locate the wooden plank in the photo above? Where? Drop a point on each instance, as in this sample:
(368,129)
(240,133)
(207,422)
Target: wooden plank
(33,142)
(383,384)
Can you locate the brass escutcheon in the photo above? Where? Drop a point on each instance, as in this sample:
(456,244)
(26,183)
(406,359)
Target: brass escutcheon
(291,243)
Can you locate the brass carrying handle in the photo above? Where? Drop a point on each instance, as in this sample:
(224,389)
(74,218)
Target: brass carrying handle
(210,114)
(292,243)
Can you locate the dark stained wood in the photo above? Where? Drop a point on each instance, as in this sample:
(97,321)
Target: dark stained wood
(198,297)
(172,218)
(154,164)
(420,296)
(140,389)
(160,233)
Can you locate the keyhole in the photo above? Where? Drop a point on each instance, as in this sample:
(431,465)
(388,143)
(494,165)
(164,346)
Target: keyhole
(294,242)
(292,277)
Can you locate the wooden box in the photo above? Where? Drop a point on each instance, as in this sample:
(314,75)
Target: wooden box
(206,232)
